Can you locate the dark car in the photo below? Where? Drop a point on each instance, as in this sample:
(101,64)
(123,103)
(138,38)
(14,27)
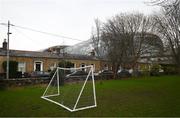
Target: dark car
(77,73)
(106,74)
(124,74)
(76,76)
(39,74)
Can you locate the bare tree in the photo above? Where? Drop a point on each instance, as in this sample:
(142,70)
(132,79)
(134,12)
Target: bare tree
(125,38)
(168,25)
(96,39)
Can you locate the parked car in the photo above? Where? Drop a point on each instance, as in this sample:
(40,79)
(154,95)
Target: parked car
(124,74)
(106,74)
(76,76)
(39,74)
(77,73)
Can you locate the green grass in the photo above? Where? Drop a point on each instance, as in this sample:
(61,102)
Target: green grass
(152,96)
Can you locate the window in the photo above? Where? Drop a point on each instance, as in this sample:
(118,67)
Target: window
(83,65)
(38,66)
(22,67)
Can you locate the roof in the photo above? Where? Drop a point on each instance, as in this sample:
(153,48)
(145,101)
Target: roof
(36,54)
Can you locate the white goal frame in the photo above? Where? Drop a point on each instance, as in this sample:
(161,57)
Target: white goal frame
(46,97)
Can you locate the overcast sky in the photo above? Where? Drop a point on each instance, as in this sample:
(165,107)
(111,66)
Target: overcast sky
(70,18)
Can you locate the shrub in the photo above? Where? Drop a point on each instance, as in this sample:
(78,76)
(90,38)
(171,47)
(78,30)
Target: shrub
(62,73)
(155,70)
(65,64)
(61,77)
(52,72)
(144,71)
(170,69)
(13,68)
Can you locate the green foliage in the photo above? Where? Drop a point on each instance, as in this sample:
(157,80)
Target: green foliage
(13,68)
(143,67)
(155,67)
(145,73)
(155,70)
(62,73)
(145,70)
(65,64)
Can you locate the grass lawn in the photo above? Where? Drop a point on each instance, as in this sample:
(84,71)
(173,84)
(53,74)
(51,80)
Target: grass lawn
(151,96)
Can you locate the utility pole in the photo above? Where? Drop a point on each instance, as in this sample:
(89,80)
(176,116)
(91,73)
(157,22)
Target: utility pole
(7,65)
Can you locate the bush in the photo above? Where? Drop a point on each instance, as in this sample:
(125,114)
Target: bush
(61,77)
(65,64)
(155,70)
(13,68)
(145,71)
(62,73)
(52,72)
(170,69)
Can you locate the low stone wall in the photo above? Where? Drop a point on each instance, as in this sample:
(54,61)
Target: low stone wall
(4,83)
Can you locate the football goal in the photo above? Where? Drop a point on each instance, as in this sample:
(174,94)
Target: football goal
(72,88)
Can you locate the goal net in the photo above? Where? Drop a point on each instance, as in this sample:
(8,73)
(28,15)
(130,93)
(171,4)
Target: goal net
(72,88)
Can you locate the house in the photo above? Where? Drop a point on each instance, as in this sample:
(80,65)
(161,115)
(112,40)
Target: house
(30,61)
(46,60)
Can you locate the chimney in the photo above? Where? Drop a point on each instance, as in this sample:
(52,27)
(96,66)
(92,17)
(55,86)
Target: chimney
(4,45)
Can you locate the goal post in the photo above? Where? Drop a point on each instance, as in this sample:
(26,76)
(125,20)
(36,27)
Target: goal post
(72,88)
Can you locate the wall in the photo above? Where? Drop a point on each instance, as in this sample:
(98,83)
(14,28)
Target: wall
(2,59)
(87,62)
(30,62)
(48,62)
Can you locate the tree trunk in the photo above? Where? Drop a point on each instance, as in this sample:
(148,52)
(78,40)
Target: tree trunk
(115,68)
